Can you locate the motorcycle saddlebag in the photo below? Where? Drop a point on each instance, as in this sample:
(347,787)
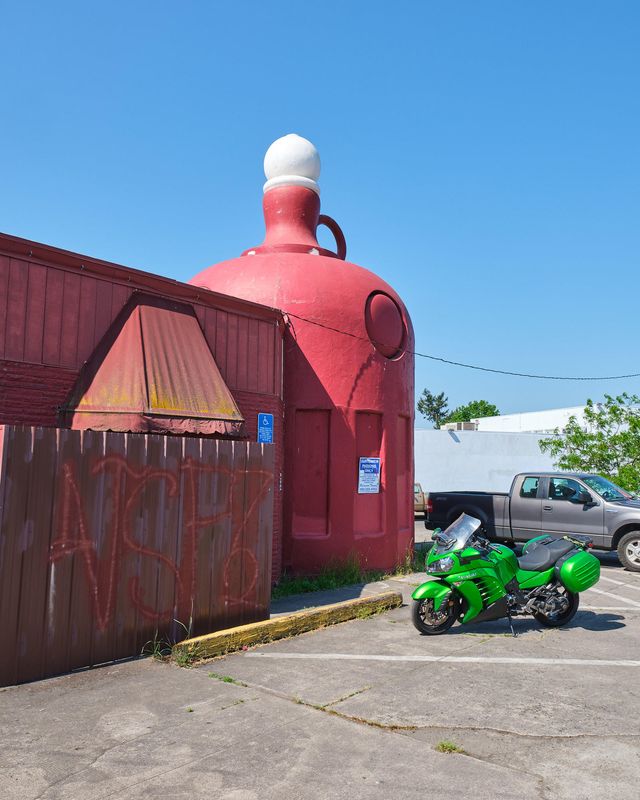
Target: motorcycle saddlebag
(578,570)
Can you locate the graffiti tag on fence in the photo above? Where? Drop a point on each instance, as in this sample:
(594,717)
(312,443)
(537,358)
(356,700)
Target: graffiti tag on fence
(119,540)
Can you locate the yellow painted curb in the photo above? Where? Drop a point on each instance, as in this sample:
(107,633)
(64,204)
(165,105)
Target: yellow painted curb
(226,641)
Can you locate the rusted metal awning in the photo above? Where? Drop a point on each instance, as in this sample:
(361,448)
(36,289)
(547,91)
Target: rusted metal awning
(153,372)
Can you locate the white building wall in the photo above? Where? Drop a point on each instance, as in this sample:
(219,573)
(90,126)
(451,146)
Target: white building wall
(531,421)
(475,460)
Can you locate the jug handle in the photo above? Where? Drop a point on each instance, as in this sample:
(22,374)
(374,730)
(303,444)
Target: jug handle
(338,235)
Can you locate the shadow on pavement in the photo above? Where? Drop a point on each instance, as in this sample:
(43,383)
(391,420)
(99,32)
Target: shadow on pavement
(608,559)
(587,620)
(592,621)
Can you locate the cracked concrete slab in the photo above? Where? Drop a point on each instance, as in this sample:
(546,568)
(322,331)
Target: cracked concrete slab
(560,725)
(322,728)
(145,729)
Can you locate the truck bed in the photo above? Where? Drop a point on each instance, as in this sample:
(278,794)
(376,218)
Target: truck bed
(491,508)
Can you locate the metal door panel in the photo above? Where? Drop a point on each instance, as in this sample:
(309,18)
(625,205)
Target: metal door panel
(560,517)
(526,513)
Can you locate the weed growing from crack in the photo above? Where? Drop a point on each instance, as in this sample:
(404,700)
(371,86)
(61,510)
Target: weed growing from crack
(163,649)
(346,697)
(227,679)
(445,746)
(231,705)
(186,658)
(160,649)
(360,720)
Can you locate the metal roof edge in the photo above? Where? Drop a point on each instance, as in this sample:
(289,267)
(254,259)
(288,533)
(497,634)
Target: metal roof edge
(149,281)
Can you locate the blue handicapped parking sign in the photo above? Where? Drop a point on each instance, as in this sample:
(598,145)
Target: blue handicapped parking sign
(265,428)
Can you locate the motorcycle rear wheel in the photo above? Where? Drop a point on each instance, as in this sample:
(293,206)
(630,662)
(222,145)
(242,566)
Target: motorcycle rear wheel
(556,620)
(430,622)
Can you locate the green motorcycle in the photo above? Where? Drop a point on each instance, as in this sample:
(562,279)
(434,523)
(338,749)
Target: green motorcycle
(478,581)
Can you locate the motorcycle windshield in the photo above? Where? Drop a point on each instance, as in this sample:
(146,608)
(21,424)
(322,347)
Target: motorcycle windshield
(457,535)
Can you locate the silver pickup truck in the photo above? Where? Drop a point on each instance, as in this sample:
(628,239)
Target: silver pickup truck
(554,503)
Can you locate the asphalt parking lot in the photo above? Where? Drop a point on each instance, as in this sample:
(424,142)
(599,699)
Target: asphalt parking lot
(356,710)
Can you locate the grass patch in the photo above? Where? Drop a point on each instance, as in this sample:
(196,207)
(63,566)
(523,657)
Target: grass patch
(445,746)
(412,562)
(332,576)
(346,572)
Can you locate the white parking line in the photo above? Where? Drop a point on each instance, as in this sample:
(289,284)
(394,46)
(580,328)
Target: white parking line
(609,608)
(615,596)
(621,583)
(552,662)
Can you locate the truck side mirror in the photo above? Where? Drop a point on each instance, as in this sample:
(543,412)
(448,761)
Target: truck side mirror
(582,497)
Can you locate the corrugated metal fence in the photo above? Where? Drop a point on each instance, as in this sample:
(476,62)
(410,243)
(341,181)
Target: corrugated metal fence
(110,541)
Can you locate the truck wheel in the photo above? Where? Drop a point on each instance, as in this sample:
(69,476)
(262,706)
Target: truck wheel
(629,551)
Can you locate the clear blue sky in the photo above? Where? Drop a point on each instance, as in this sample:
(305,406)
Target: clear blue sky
(482,157)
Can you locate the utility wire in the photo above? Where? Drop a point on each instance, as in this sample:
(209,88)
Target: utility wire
(472,366)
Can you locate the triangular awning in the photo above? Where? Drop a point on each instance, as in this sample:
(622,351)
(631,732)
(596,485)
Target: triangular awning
(154,372)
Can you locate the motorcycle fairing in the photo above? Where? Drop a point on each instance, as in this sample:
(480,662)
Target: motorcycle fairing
(436,590)
(529,580)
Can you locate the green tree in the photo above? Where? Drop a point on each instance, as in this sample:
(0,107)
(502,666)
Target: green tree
(433,407)
(473,410)
(607,442)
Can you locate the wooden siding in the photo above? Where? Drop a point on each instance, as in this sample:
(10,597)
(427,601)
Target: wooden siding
(55,316)
(110,541)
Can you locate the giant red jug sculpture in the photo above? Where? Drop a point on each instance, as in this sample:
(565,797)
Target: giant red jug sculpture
(348,376)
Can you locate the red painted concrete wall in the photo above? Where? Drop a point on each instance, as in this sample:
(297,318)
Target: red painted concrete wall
(348,387)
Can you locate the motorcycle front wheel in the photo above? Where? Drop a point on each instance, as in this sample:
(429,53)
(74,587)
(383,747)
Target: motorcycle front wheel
(431,622)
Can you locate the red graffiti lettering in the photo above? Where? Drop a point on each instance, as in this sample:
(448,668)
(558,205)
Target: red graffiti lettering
(125,485)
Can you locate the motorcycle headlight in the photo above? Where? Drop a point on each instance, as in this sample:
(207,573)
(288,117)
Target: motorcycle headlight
(441,565)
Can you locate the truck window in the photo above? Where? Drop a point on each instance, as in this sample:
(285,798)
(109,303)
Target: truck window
(563,488)
(529,488)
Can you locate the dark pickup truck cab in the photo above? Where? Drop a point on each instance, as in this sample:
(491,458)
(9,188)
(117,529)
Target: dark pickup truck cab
(555,503)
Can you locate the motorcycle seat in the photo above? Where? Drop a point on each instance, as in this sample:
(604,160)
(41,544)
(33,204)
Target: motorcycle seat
(543,556)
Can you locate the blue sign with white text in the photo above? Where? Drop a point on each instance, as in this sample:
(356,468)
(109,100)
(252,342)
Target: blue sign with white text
(265,428)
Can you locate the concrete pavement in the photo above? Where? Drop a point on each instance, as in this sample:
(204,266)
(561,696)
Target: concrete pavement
(355,710)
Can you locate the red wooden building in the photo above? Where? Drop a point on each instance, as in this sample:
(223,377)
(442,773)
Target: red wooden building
(75,331)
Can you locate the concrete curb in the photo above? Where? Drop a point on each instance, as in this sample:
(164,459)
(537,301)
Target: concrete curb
(226,641)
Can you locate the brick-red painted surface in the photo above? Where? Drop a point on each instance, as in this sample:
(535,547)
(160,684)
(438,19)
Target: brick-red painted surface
(110,540)
(30,394)
(55,306)
(55,314)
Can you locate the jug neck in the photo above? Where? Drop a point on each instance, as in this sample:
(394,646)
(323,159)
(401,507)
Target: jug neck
(291,216)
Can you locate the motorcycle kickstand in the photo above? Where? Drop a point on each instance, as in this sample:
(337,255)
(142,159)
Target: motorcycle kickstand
(515,635)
